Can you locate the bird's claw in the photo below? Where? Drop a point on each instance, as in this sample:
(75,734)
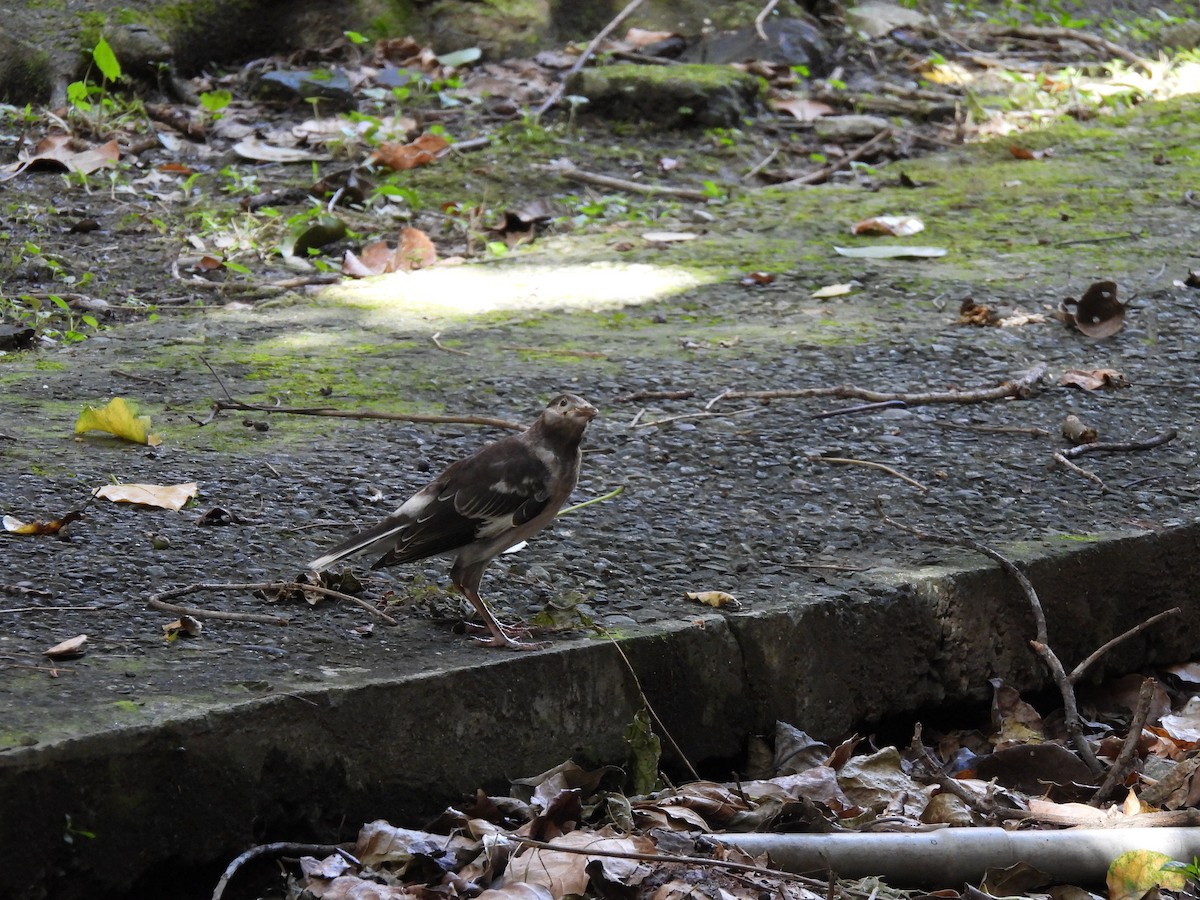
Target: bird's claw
(504,636)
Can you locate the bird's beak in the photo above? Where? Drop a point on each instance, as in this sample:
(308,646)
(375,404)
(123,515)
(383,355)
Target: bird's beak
(587,413)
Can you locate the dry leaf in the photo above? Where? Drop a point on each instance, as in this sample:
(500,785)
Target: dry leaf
(189,626)
(750,279)
(119,418)
(163,496)
(16,526)
(1093,380)
(401,157)
(802,108)
(414,251)
(68,649)
(1020,152)
(832,290)
(892,226)
(715,599)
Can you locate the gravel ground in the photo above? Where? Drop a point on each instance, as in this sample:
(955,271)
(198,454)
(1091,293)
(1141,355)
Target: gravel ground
(739,504)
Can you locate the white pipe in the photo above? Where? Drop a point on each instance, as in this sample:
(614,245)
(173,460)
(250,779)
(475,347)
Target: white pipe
(949,857)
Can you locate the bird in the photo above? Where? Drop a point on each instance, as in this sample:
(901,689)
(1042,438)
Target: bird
(482,505)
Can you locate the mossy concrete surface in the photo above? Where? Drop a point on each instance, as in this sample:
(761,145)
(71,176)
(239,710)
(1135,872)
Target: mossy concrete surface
(169,789)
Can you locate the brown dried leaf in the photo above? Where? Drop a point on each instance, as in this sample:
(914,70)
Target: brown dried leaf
(68,649)
(802,108)
(1093,379)
(401,157)
(972,313)
(1020,152)
(891,226)
(189,626)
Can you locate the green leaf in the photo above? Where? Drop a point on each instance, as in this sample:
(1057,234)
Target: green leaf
(354,37)
(215,101)
(106,60)
(77,94)
(646,750)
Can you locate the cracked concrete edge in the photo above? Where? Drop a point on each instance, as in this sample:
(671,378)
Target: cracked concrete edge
(200,787)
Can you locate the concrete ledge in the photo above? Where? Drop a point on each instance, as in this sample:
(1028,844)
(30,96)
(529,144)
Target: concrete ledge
(198,786)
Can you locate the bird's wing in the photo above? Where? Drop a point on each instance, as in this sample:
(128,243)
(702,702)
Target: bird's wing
(477,499)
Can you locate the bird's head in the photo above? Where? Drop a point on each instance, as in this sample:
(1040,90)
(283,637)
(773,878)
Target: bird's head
(568,413)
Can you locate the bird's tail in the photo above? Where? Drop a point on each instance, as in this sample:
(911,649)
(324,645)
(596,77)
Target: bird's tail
(380,537)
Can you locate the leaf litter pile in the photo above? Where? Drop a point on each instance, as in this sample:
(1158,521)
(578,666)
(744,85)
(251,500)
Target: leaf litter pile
(796,825)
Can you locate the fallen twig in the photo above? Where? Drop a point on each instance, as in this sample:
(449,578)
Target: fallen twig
(1116,772)
(157,600)
(846,461)
(1064,457)
(1020,387)
(222,405)
(766,160)
(861,408)
(1032,431)
(1037,33)
(1072,719)
(762,17)
(696,415)
(1121,446)
(825,172)
(557,351)
(670,858)
(437,342)
(285,284)
(570,172)
(639,396)
(608,29)
(260,618)
(24,609)
(318,850)
(613,493)
(1080,670)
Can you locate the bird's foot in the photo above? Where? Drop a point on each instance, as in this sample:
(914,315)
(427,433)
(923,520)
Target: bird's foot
(504,636)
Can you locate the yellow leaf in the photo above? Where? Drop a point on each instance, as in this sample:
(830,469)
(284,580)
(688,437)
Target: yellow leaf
(715,599)
(164,496)
(120,418)
(1133,873)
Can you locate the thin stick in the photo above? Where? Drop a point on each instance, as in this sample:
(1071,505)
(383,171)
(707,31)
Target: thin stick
(571,173)
(1121,446)
(824,173)
(768,159)
(319,850)
(639,396)
(1116,772)
(841,460)
(1033,32)
(1079,470)
(21,609)
(261,618)
(1032,431)
(699,415)
(608,29)
(557,351)
(637,682)
(436,338)
(860,408)
(1079,671)
(762,17)
(1041,645)
(1019,387)
(278,586)
(613,493)
(669,858)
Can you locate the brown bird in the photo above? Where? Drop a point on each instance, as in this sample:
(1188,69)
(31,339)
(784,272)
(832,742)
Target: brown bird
(484,504)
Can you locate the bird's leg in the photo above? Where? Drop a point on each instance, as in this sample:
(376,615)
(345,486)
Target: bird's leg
(501,636)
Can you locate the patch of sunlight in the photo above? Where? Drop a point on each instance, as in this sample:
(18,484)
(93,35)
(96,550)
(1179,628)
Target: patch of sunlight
(463,291)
